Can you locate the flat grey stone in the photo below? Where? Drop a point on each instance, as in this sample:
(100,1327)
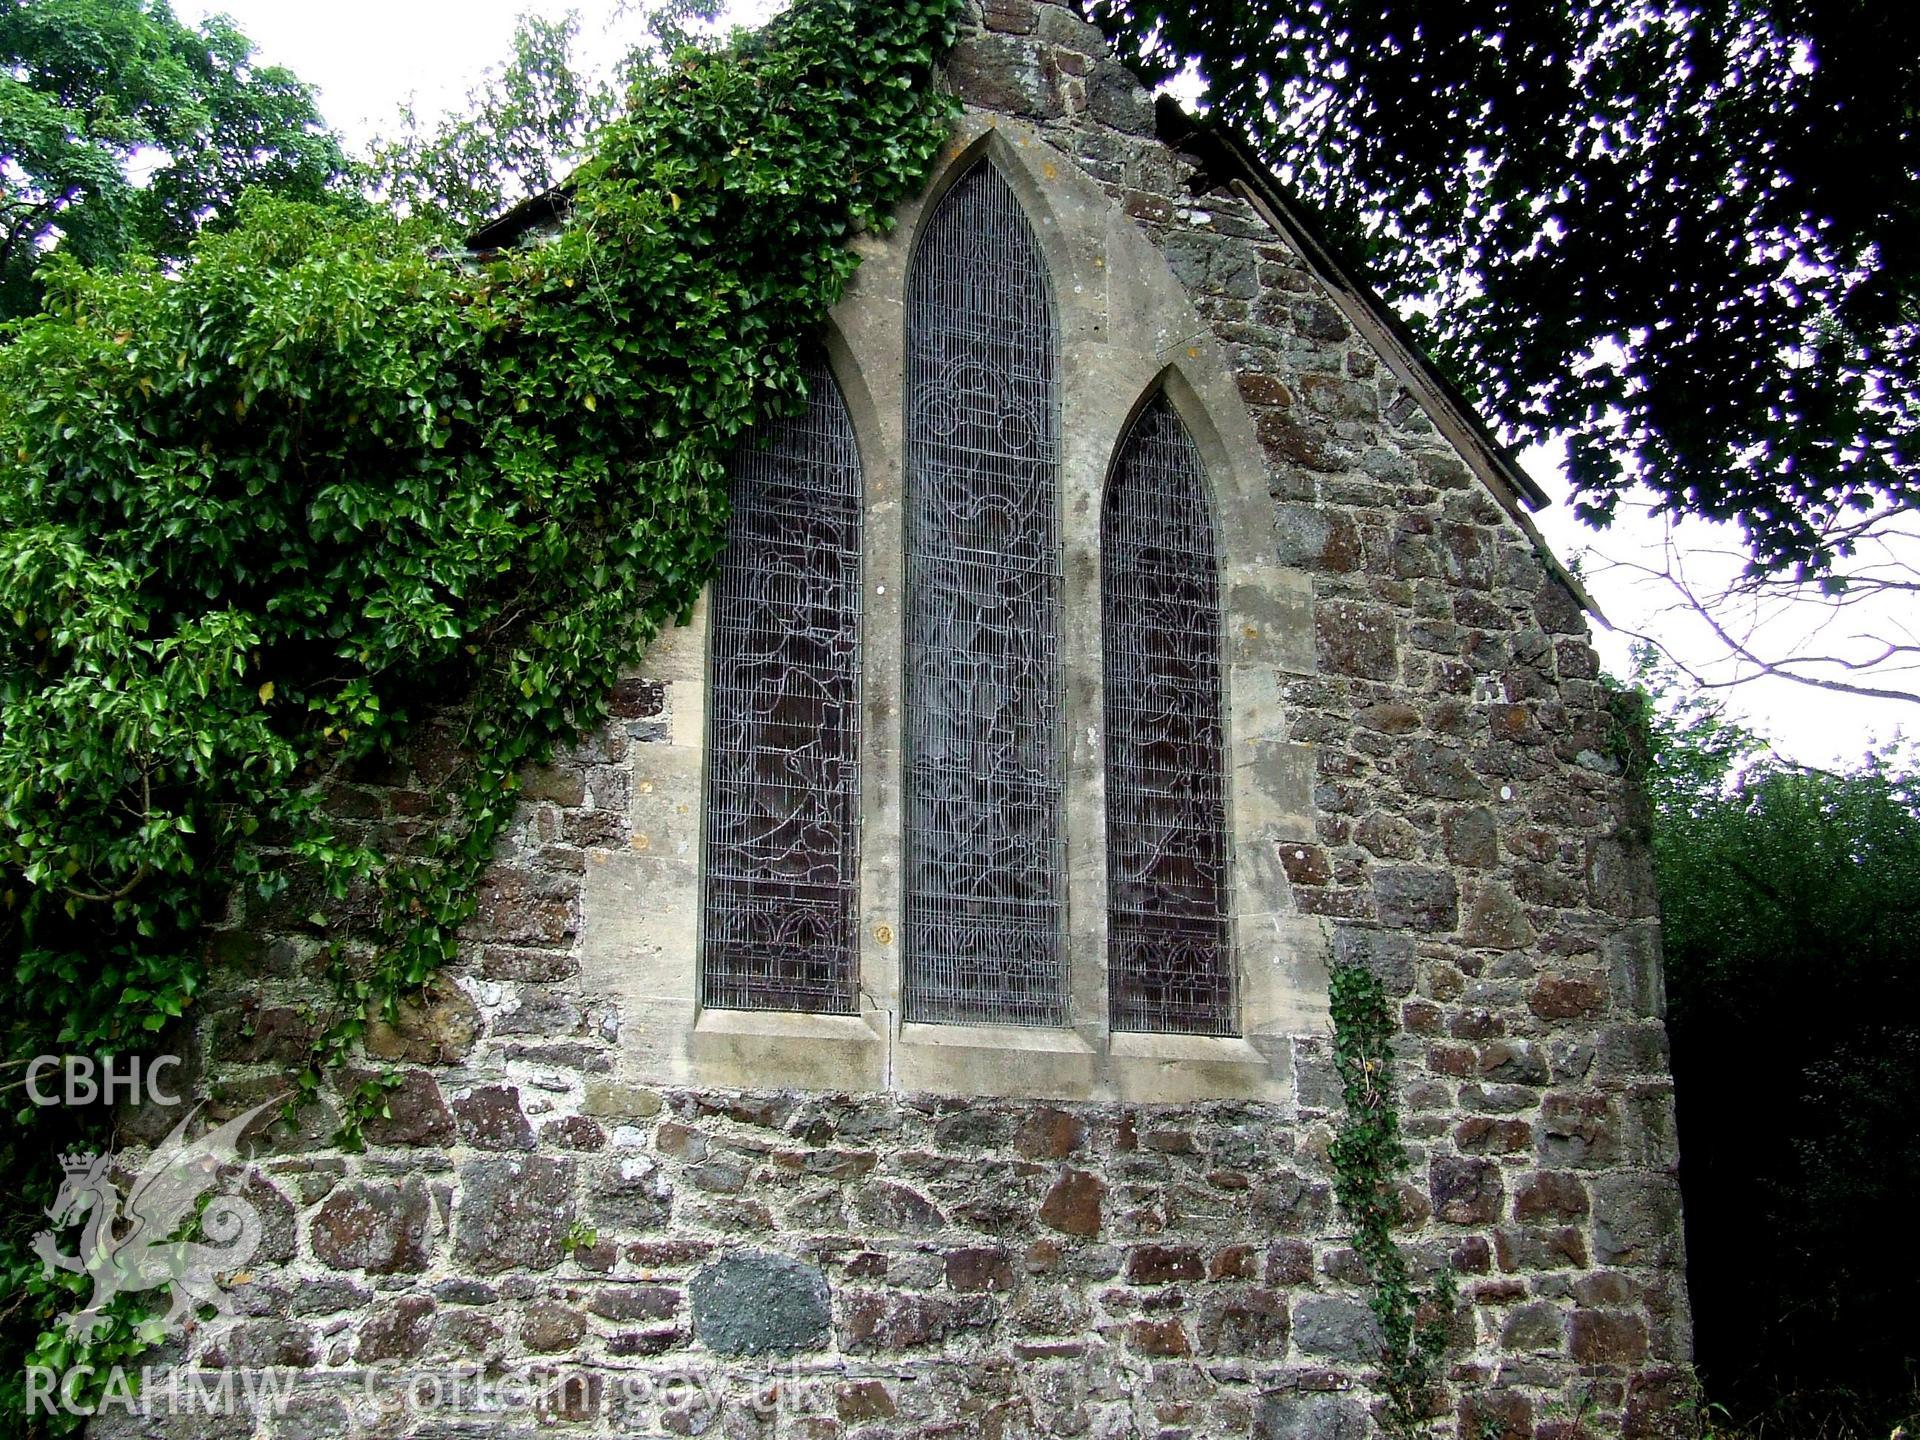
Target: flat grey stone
(756,1303)
(1337,1329)
(1311,1417)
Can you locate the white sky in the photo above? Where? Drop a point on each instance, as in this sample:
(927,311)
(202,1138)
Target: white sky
(1812,726)
(367,56)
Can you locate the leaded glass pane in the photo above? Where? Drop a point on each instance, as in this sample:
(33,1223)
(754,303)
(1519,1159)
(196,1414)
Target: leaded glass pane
(784,721)
(1170,964)
(982,628)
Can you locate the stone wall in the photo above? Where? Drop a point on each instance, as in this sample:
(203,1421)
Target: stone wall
(693,1260)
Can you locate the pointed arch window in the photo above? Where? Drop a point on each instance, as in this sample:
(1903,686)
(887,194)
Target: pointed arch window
(783,734)
(983,768)
(1169,956)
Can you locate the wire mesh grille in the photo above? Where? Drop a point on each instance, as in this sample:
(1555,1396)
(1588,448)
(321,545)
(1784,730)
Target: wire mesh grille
(783,731)
(982,939)
(1168,951)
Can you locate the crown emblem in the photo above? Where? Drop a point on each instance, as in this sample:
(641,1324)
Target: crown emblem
(77,1162)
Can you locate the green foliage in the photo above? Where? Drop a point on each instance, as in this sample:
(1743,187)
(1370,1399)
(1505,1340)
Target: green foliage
(1369,1161)
(93,92)
(1692,751)
(1681,235)
(1672,739)
(1791,919)
(530,120)
(260,517)
(1629,734)
(520,133)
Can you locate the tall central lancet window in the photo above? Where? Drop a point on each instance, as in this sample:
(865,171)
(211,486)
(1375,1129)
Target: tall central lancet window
(983,804)
(783,724)
(1169,957)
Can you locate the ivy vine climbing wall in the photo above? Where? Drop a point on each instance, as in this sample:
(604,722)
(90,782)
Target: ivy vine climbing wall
(257,515)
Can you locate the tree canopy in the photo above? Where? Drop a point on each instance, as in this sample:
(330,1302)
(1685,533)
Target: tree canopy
(529,121)
(123,130)
(1790,918)
(1685,236)
(521,130)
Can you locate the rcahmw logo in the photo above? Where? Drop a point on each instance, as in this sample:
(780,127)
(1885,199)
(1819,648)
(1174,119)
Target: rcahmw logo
(133,1243)
(162,1392)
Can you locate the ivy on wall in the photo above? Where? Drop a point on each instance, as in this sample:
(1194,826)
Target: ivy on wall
(258,514)
(263,514)
(1369,1158)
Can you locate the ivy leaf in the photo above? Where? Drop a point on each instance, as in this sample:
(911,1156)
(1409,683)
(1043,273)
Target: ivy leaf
(365,474)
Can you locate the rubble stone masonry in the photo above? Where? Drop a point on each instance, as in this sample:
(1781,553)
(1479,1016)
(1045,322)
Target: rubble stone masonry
(626,1258)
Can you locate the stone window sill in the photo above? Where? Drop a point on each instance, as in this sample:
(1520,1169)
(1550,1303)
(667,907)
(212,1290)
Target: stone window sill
(1148,1069)
(998,1060)
(1032,1039)
(783,1050)
(869,1054)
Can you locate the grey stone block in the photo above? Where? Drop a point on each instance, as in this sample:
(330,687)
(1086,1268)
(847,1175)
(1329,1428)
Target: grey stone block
(757,1303)
(514,1213)
(1117,99)
(1412,898)
(1337,1329)
(1311,1417)
(1389,957)
(1636,1220)
(1635,970)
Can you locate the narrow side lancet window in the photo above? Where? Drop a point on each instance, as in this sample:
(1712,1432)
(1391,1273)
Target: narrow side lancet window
(1170,960)
(781,862)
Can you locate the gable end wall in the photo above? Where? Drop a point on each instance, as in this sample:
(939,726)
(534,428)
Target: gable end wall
(559,1193)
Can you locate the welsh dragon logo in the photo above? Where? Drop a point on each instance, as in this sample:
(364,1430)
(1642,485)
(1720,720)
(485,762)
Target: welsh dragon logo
(132,1244)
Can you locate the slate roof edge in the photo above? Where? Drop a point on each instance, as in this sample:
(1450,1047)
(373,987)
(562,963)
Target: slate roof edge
(547,207)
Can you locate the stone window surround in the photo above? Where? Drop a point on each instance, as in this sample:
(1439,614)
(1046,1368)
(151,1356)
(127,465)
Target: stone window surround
(1128,331)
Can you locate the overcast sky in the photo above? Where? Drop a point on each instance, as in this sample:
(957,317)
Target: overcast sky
(368,56)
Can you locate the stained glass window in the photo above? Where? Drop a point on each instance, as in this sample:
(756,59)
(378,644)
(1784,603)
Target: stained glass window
(1169,956)
(783,734)
(983,801)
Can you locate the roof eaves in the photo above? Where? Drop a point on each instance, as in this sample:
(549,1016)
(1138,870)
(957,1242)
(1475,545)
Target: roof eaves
(546,208)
